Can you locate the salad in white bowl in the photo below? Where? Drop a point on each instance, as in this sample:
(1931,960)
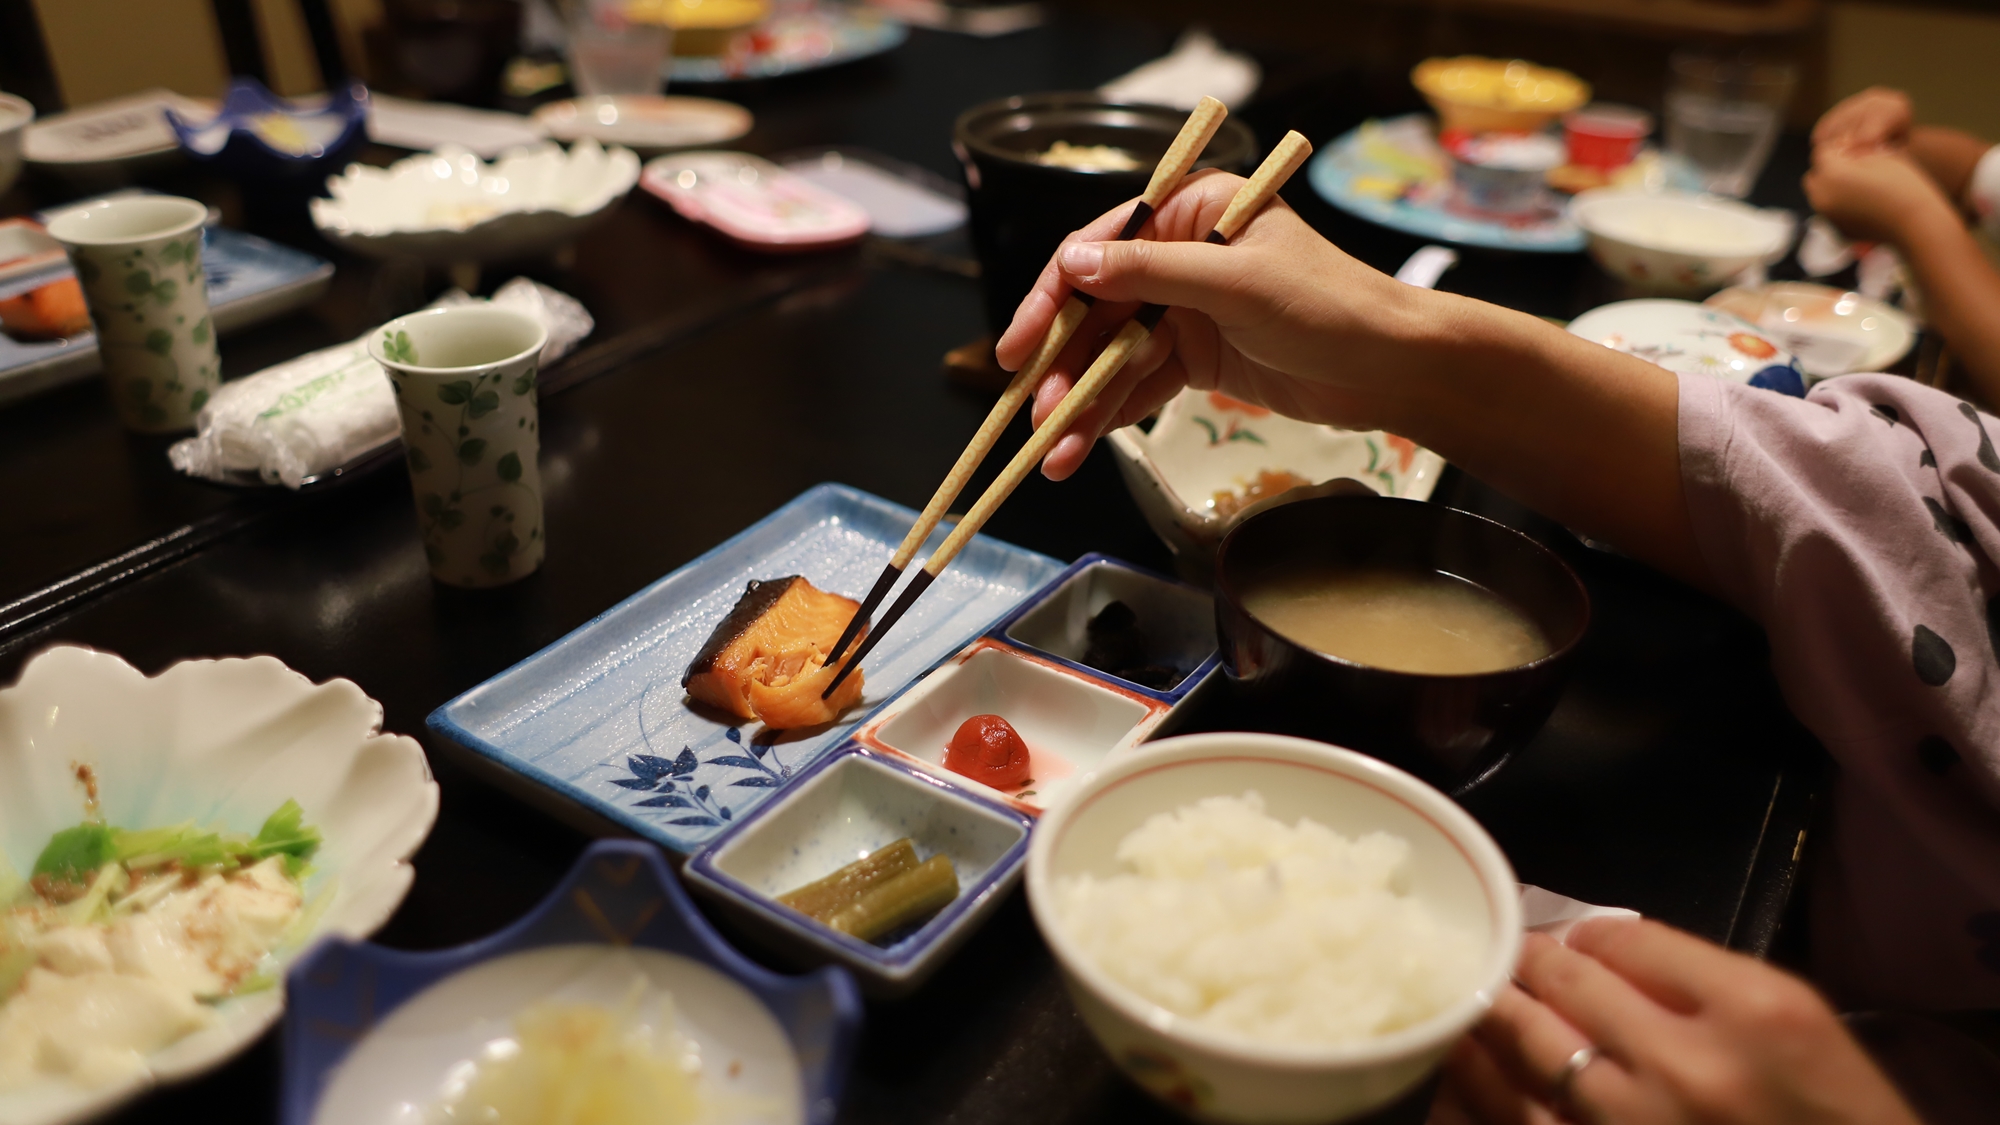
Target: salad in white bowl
(167,845)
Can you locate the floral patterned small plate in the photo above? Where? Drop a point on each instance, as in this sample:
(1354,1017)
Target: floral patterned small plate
(1691,339)
(1210,460)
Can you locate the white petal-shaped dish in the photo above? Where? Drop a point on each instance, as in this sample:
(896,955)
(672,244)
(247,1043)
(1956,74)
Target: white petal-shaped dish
(221,742)
(1205,443)
(448,206)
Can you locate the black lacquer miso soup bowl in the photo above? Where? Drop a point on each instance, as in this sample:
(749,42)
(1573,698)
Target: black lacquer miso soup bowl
(1451,730)
(1022,209)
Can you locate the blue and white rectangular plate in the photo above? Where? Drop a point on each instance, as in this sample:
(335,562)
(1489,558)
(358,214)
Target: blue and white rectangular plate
(599,716)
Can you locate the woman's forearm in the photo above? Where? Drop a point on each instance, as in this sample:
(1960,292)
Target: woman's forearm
(1579,432)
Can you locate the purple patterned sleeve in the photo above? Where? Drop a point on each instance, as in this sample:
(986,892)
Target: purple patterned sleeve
(1860,526)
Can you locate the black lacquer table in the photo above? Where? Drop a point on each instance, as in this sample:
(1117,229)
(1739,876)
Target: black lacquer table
(719,384)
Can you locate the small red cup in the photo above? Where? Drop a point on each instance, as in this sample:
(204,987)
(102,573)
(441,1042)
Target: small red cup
(1605,136)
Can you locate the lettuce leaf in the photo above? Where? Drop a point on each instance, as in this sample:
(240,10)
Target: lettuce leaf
(74,854)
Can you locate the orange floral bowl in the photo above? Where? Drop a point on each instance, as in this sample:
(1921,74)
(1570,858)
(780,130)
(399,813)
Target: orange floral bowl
(1211,461)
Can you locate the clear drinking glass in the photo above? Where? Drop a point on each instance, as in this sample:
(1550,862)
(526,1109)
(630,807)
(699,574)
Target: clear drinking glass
(611,53)
(1723,116)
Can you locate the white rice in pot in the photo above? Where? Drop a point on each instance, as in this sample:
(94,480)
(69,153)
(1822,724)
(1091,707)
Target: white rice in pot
(1277,933)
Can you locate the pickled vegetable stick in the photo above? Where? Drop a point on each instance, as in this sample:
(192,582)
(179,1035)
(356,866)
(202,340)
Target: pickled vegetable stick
(830,895)
(918,893)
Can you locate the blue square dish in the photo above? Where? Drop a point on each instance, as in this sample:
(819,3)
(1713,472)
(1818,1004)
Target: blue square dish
(619,900)
(849,804)
(1179,621)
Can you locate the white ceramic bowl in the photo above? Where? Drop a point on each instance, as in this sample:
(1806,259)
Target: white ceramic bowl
(216,742)
(15,113)
(1678,242)
(449,207)
(1204,443)
(1454,866)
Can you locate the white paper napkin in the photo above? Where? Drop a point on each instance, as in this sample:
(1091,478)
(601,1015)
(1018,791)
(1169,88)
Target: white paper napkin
(1546,912)
(1197,66)
(424,126)
(310,415)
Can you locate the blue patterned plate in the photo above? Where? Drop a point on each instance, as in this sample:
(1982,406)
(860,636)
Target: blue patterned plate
(788,44)
(1335,169)
(599,716)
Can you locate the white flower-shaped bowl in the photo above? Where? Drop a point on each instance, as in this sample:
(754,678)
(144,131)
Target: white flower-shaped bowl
(448,207)
(218,742)
(1204,443)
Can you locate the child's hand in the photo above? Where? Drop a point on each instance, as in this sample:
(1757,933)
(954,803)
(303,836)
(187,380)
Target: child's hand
(1872,195)
(1877,117)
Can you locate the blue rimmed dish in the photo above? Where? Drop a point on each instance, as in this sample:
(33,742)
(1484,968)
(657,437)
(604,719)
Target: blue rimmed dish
(1176,620)
(372,1033)
(851,803)
(259,135)
(1072,721)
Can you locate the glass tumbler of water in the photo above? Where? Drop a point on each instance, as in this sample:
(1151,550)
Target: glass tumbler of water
(1723,116)
(610,52)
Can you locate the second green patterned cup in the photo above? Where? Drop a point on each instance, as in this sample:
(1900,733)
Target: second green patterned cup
(465,385)
(139,261)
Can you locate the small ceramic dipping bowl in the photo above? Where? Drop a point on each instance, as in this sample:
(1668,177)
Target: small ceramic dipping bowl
(1451,730)
(851,803)
(1021,209)
(1454,868)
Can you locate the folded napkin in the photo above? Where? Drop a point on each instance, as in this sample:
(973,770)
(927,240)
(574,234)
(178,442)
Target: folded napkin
(424,126)
(310,415)
(1196,67)
(1546,912)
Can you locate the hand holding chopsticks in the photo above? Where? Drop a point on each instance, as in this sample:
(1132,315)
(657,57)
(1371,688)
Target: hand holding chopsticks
(1173,167)
(1248,201)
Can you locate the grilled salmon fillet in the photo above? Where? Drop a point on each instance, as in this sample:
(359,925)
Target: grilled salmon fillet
(766,660)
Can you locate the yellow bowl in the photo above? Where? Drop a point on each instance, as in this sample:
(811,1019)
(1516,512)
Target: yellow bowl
(702,27)
(1481,95)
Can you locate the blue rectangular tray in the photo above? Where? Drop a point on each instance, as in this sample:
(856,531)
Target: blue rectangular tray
(250,280)
(599,716)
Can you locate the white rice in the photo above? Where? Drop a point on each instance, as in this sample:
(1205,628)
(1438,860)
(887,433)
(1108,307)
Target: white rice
(1275,933)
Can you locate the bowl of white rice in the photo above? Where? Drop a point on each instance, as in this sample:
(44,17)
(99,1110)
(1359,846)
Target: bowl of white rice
(1262,929)
(1678,243)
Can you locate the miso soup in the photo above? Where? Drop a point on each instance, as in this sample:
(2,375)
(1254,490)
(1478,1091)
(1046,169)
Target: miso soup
(1401,620)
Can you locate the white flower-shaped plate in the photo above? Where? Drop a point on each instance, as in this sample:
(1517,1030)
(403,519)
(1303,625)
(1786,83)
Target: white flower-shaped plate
(448,206)
(218,742)
(1205,442)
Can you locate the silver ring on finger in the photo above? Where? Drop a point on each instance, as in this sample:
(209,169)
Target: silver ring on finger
(1571,1067)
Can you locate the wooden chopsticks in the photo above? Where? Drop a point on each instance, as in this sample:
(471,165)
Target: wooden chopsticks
(1173,167)
(1248,200)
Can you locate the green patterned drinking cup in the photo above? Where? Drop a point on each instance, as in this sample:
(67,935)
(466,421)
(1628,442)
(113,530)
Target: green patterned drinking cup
(465,385)
(139,261)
